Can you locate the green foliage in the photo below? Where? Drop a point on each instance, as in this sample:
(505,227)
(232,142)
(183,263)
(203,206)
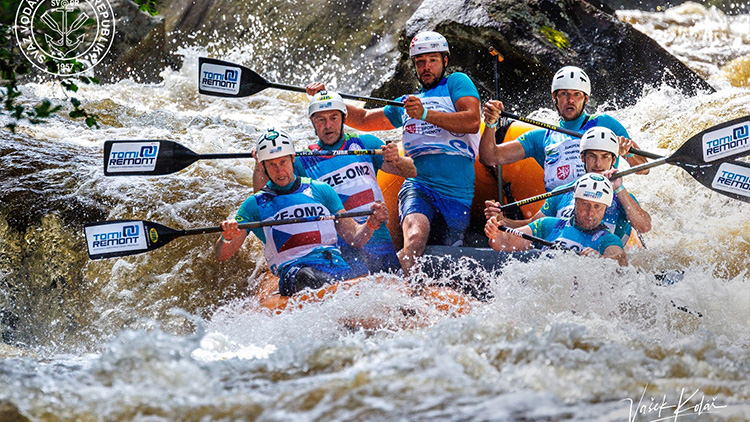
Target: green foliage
(148,6)
(555,37)
(13,63)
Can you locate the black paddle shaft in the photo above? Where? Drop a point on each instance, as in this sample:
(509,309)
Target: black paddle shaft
(251,83)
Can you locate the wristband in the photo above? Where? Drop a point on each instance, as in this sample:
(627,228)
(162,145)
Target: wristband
(224,240)
(424,115)
(620,189)
(628,155)
(492,125)
(370,226)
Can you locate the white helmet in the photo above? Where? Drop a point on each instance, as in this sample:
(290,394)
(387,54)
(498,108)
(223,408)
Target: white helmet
(324,101)
(594,187)
(600,138)
(428,42)
(571,77)
(274,144)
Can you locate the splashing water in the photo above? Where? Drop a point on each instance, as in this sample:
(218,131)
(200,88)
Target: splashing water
(565,338)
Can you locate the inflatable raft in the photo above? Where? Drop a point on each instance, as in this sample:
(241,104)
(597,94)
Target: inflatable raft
(521,180)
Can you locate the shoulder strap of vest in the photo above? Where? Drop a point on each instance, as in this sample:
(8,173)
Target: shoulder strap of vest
(586,120)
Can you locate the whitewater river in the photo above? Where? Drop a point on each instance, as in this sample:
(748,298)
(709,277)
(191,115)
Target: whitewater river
(164,336)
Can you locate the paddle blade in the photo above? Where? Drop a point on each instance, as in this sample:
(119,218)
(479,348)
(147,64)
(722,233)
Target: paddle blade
(224,79)
(145,157)
(722,142)
(108,239)
(731,178)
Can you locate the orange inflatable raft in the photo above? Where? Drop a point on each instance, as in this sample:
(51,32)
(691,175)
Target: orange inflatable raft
(524,179)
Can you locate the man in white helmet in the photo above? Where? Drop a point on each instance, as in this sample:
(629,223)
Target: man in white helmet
(441,134)
(353,177)
(557,153)
(583,232)
(302,255)
(599,150)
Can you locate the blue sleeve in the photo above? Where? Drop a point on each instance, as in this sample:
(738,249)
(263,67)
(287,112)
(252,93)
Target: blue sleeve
(460,85)
(533,145)
(608,240)
(610,122)
(299,169)
(394,114)
(325,194)
(542,227)
(623,226)
(249,212)
(373,142)
(550,207)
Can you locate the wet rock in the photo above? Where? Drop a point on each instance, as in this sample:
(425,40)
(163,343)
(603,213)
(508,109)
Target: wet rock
(9,412)
(353,46)
(536,38)
(139,50)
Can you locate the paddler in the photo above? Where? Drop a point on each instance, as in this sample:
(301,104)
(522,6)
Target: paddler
(302,255)
(583,232)
(353,177)
(558,154)
(440,124)
(599,150)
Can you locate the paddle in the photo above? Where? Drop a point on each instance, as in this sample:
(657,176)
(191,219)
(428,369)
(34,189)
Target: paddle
(730,178)
(499,167)
(224,79)
(534,239)
(568,132)
(108,239)
(157,157)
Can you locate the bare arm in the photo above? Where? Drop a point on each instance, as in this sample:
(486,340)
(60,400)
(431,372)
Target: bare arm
(357,235)
(617,253)
(491,154)
(638,217)
(492,209)
(260,178)
(464,120)
(230,241)
(625,145)
(503,241)
(394,163)
(358,117)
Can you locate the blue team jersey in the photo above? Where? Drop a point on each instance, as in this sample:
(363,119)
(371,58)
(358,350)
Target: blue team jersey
(444,160)
(354,178)
(295,244)
(615,217)
(560,154)
(564,232)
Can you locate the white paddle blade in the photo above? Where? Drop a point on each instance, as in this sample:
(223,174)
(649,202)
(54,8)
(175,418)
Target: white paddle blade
(730,140)
(130,157)
(218,79)
(115,238)
(733,180)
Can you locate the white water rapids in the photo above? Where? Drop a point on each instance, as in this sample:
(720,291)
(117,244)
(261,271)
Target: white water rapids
(164,336)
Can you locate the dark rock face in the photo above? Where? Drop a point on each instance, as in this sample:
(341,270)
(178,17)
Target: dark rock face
(536,38)
(357,45)
(296,40)
(139,49)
